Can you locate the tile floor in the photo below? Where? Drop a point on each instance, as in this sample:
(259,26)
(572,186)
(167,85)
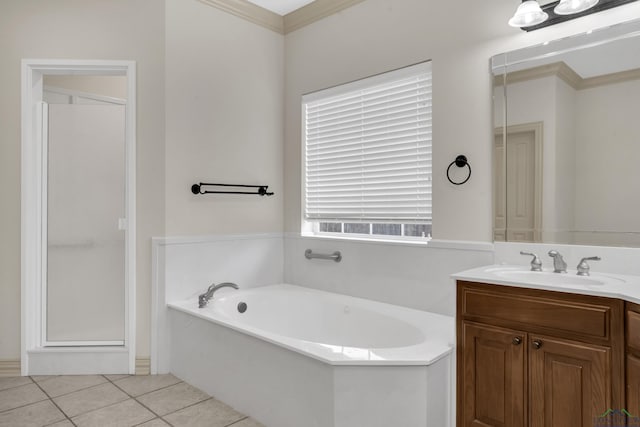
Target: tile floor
(111,400)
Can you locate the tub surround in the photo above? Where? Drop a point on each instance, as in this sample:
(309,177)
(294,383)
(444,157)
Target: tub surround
(183,267)
(335,393)
(410,275)
(285,388)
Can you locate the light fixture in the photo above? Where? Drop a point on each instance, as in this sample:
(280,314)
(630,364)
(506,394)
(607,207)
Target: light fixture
(569,7)
(532,16)
(529,13)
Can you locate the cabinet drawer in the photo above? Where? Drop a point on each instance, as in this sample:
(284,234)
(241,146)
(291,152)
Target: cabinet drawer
(582,316)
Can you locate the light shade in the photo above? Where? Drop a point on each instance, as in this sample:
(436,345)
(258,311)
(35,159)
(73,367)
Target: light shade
(569,7)
(528,13)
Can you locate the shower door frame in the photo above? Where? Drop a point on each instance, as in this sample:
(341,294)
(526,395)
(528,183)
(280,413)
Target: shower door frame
(38,357)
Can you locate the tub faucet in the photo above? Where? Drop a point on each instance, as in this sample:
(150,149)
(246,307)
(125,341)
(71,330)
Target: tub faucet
(559,265)
(203,299)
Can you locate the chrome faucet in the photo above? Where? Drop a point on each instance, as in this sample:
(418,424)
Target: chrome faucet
(583,267)
(559,265)
(536,264)
(203,299)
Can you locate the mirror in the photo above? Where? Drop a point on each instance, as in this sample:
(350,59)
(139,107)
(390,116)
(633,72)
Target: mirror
(567,140)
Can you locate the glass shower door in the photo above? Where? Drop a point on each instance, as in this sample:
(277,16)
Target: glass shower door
(85,242)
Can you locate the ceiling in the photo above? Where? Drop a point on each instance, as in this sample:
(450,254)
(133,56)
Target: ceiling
(281,7)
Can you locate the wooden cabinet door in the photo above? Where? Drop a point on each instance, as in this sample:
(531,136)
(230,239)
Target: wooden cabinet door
(569,382)
(493,376)
(633,385)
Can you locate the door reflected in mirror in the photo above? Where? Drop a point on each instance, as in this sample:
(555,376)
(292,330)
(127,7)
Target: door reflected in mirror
(567,140)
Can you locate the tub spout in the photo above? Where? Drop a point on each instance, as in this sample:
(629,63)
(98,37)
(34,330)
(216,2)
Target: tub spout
(203,299)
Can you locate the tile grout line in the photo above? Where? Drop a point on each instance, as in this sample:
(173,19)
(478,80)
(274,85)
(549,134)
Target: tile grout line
(54,403)
(16,386)
(236,422)
(94,409)
(24,406)
(145,393)
(65,394)
(188,406)
(137,401)
(162,417)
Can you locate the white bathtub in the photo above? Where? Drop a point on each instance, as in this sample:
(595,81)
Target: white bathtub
(304,358)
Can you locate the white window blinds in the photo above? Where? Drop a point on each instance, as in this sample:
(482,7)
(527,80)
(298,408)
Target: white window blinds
(368,149)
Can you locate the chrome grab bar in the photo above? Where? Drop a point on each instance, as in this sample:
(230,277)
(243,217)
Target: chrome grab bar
(336,256)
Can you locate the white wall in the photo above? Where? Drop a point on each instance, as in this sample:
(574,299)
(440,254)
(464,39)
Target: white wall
(216,129)
(379,35)
(224,115)
(608,147)
(84,29)
(565,161)
(401,274)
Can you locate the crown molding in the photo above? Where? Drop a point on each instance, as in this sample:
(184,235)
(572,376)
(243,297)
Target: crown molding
(566,73)
(295,20)
(608,79)
(313,12)
(559,69)
(251,12)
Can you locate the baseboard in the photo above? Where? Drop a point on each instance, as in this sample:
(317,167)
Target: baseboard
(10,368)
(143,366)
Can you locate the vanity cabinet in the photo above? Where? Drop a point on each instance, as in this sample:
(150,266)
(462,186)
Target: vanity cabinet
(633,358)
(537,358)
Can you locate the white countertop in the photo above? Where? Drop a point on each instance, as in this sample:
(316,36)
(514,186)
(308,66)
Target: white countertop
(598,284)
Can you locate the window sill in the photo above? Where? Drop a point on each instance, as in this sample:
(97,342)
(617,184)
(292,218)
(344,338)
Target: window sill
(368,240)
(476,246)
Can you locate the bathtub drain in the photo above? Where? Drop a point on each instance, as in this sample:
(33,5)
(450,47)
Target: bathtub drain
(242,307)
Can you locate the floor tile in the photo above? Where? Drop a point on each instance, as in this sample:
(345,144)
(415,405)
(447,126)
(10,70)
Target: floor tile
(116,377)
(210,413)
(65,423)
(10,382)
(63,384)
(40,378)
(123,414)
(140,384)
(154,423)
(86,400)
(172,398)
(20,396)
(36,415)
(247,422)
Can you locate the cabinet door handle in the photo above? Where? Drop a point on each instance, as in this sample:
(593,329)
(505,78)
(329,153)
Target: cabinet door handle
(516,340)
(537,344)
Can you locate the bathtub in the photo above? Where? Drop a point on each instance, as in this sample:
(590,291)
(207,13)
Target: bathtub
(296,357)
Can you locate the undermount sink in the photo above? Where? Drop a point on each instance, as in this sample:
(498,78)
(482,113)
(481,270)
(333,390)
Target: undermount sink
(523,276)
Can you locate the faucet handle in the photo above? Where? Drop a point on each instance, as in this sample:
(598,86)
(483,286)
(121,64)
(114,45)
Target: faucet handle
(536,264)
(583,267)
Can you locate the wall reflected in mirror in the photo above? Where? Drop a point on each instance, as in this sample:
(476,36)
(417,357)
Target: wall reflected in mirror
(567,140)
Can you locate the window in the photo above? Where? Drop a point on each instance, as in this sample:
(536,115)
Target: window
(367,156)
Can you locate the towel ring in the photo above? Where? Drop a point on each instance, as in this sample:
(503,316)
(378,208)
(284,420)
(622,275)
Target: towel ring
(460,161)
